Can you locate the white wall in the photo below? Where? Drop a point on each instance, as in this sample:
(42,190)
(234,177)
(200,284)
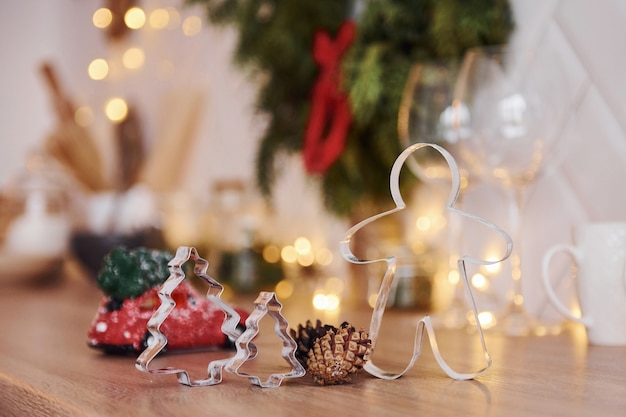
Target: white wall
(30,32)
(585,183)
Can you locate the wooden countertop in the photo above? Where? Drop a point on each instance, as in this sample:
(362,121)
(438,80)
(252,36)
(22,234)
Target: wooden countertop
(46,369)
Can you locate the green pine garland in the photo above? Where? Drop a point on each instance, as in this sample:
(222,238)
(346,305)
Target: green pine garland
(275,41)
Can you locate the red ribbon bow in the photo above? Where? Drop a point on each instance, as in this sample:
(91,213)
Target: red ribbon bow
(330,108)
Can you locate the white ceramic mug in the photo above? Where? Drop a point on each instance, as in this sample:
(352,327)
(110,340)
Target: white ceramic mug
(600,254)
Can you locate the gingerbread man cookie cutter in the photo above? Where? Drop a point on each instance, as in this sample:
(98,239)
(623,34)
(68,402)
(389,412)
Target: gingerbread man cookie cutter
(158,340)
(425,324)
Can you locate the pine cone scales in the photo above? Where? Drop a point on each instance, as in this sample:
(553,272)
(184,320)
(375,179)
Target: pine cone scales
(306,336)
(332,354)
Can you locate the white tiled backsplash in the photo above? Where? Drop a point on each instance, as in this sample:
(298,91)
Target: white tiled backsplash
(587,184)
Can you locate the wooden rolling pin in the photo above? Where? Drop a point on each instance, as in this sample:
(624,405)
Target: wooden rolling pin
(176,133)
(70,143)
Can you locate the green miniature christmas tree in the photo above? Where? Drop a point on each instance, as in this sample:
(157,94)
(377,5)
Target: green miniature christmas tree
(128,273)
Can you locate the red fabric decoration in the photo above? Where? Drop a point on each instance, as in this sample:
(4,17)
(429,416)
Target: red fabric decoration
(330,108)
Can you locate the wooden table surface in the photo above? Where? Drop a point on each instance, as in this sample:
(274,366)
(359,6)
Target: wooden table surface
(46,369)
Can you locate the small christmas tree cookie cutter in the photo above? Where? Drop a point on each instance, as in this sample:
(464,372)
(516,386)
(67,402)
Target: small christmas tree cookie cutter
(266,304)
(425,324)
(158,340)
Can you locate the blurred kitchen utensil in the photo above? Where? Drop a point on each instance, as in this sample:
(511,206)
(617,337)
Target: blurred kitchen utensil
(70,143)
(130,147)
(180,116)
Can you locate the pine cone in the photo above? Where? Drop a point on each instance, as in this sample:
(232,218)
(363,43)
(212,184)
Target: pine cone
(306,336)
(334,354)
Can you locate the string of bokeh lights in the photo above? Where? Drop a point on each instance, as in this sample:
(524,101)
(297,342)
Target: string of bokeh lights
(133,58)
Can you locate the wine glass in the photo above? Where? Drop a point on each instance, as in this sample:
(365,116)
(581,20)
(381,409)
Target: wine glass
(508,135)
(427,115)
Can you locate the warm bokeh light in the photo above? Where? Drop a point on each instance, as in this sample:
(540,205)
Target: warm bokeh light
(135,18)
(471,319)
(453,277)
(419,247)
(284,289)
(302,245)
(116,109)
(320,301)
(159,19)
(306,259)
(324,256)
(102,18)
(434,172)
(423,223)
(133,58)
(487,319)
(192,26)
(228,294)
(328,302)
(480,282)
(464,183)
(83,116)
(289,254)
(271,254)
(174,17)
(493,268)
(332,302)
(334,285)
(500,173)
(303,253)
(371,300)
(98,69)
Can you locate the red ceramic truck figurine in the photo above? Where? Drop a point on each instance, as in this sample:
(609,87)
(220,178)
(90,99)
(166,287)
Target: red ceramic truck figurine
(130,280)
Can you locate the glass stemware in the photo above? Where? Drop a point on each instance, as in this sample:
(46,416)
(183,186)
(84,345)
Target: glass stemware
(426,115)
(508,134)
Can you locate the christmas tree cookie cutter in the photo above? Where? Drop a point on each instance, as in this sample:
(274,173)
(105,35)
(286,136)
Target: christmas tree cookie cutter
(266,304)
(425,324)
(158,340)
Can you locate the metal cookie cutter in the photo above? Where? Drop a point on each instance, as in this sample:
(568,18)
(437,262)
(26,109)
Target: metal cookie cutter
(159,340)
(425,324)
(266,303)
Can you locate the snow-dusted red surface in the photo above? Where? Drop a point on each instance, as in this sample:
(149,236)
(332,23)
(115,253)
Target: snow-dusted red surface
(194,323)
